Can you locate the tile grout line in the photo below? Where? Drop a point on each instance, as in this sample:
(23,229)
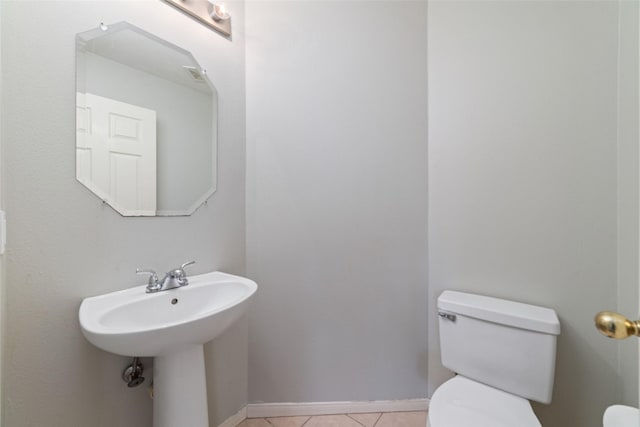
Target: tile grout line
(379,417)
(349,415)
(269,421)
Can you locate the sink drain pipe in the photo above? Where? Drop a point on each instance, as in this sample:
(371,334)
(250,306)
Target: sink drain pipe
(132,374)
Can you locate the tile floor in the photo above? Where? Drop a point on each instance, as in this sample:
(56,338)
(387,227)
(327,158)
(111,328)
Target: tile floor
(386,419)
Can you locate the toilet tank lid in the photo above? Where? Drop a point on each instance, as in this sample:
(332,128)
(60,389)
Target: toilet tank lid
(511,313)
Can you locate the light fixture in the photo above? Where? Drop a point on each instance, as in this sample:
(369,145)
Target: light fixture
(218,12)
(213,15)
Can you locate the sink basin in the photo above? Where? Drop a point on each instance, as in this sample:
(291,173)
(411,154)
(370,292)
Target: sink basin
(170,326)
(134,323)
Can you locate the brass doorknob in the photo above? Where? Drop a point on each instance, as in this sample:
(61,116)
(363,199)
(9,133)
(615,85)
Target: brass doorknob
(615,325)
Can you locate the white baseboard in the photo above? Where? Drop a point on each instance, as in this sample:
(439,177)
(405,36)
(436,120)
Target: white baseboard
(264,410)
(235,419)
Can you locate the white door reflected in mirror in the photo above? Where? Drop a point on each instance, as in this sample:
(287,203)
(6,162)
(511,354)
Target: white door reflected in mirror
(116,153)
(139,165)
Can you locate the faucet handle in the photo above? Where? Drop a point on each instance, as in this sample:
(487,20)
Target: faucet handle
(153,278)
(153,285)
(180,274)
(186,264)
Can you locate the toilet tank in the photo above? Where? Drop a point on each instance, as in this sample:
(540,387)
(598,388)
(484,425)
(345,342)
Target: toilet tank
(507,345)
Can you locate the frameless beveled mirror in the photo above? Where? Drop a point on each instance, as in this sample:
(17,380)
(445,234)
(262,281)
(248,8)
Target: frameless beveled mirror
(146,122)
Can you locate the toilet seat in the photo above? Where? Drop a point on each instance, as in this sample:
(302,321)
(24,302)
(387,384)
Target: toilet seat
(461,402)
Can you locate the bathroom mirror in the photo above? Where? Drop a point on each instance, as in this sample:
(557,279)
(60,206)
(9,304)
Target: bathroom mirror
(146,122)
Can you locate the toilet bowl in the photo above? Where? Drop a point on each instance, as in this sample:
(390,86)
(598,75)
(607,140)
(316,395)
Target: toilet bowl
(621,416)
(504,355)
(461,402)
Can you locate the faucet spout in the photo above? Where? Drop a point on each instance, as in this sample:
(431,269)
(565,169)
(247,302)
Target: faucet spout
(175,278)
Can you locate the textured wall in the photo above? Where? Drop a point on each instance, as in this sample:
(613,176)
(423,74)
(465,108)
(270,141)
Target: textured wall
(65,245)
(522,176)
(337,200)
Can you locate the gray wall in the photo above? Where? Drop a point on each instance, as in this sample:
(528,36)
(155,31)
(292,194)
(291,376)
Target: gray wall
(628,179)
(65,245)
(337,200)
(523,177)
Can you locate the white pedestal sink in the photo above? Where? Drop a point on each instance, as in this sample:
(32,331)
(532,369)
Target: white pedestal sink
(170,326)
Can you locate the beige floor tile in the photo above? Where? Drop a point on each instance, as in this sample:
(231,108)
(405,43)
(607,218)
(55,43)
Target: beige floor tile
(332,421)
(288,421)
(367,420)
(403,419)
(255,422)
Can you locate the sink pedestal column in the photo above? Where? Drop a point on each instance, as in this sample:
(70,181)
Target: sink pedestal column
(180,389)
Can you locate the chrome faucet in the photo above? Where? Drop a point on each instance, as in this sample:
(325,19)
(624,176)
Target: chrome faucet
(172,279)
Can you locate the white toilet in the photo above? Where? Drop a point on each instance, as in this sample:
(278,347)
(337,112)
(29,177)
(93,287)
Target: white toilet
(504,355)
